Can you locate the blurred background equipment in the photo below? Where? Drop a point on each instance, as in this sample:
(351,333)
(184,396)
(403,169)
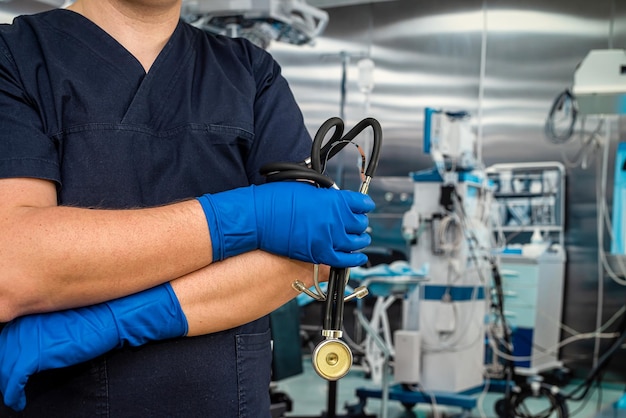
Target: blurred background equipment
(448,230)
(259,21)
(529,204)
(506,63)
(600,82)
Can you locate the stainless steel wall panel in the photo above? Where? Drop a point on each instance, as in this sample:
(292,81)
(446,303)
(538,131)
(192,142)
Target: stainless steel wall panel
(619,26)
(428,53)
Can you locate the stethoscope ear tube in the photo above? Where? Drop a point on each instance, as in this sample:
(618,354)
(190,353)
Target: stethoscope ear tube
(353,133)
(319,154)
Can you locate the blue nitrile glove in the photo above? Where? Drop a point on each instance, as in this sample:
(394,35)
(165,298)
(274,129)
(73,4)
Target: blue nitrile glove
(290,218)
(34,343)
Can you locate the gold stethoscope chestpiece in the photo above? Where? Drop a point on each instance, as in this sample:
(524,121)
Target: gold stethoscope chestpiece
(332,359)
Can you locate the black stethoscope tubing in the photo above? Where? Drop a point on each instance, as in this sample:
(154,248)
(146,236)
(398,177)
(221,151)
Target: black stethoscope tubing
(313,170)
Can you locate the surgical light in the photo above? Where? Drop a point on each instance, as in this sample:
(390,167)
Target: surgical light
(260,21)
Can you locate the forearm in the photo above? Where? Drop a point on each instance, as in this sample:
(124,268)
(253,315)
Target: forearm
(54,257)
(239,290)
(61,257)
(218,297)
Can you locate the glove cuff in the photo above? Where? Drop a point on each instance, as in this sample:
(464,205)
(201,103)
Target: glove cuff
(152,315)
(211,215)
(231,217)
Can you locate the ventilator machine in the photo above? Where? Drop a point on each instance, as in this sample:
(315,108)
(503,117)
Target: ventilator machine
(448,233)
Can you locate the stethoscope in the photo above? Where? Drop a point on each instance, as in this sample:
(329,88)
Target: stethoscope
(332,357)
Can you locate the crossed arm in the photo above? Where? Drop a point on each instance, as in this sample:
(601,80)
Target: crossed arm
(54,257)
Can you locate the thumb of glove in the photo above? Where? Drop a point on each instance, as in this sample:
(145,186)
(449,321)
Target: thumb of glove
(14,394)
(17,364)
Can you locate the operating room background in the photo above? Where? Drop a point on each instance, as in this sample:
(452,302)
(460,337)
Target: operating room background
(504,61)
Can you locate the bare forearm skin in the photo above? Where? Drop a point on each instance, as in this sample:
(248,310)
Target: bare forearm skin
(239,290)
(54,257)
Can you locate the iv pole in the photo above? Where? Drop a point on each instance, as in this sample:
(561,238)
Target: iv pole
(331,404)
(345,58)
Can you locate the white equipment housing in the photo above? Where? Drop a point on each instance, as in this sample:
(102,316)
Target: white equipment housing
(600,82)
(532,281)
(450,309)
(449,140)
(448,229)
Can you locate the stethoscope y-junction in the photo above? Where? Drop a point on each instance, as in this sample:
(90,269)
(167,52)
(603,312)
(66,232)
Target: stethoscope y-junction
(332,358)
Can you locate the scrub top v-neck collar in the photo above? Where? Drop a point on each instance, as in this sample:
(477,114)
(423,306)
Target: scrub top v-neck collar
(151,88)
(108,48)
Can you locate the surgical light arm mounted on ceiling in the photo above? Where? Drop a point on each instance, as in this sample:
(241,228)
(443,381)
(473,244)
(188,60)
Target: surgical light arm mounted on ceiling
(260,21)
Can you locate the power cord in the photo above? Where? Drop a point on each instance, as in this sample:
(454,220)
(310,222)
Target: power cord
(565,103)
(595,373)
(512,405)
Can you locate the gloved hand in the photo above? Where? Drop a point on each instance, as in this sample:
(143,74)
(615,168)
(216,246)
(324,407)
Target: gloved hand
(34,343)
(290,218)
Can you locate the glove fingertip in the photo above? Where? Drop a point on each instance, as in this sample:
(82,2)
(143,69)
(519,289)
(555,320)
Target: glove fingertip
(362,259)
(17,400)
(349,260)
(21,404)
(364,221)
(360,203)
(361,241)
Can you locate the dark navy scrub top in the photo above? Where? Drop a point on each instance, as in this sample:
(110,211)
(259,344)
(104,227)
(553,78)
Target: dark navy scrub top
(78,109)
